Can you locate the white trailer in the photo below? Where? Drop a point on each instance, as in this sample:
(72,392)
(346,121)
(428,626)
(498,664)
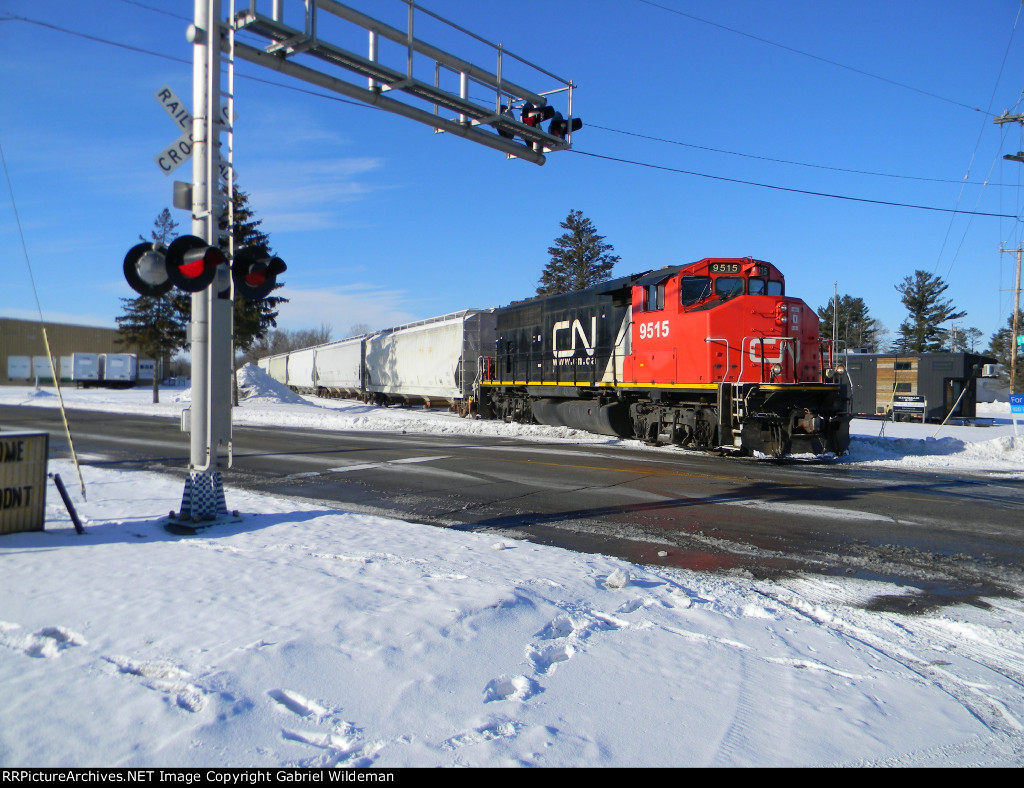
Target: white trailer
(147,370)
(85,369)
(119,369)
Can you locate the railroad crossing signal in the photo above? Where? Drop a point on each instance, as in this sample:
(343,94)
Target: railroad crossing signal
(255,272)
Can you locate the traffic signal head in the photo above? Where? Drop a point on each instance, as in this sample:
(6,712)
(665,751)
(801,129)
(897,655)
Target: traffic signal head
(145,268)
(560,127)
(532,116)
(255,272)
(192,263)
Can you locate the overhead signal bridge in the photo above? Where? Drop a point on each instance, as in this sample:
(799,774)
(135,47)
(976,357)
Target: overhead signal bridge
(507,119)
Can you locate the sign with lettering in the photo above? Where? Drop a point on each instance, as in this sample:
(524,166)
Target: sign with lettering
(1017,403)
(23,481)
(175,154)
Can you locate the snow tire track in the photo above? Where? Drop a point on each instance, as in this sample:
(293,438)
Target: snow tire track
(989,711)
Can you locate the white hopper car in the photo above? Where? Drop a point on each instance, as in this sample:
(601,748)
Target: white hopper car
(431,362)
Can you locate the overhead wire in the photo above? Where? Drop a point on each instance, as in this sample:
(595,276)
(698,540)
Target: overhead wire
(789,189)
(801,52)
(42,324)
(974,153)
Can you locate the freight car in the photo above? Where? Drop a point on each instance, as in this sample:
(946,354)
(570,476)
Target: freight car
(430,362)
(709,355)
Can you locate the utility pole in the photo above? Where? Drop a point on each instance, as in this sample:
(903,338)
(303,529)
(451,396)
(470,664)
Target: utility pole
(1014,326)
(1006,117)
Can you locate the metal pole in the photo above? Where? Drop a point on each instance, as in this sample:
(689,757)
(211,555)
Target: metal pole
(1013,330)
(210,422)
(199,424)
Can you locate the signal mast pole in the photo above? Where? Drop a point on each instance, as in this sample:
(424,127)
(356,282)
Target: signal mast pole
(211,346)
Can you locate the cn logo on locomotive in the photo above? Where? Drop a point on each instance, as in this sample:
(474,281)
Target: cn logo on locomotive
(766,349)
(577,332)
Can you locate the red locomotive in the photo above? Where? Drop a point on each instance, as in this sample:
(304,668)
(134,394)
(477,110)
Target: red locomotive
(710,355)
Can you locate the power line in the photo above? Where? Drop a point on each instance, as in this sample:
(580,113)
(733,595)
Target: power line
(786,161)
(787,188)
(808,54)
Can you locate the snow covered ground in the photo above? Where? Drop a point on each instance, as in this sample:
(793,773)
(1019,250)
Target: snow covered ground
(307,635)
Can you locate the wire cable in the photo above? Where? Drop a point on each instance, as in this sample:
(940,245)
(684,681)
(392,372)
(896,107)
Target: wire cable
(820,59)
(787,188)
(42,325)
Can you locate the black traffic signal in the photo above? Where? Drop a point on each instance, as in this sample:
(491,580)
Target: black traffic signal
(192,263)
(145,268)
(560,127)
(255,272)
(533,116)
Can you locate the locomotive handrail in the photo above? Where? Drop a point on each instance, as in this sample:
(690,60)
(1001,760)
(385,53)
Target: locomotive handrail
(725,374)
(785,343)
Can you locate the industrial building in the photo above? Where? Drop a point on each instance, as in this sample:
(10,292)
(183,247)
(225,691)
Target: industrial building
(23,352)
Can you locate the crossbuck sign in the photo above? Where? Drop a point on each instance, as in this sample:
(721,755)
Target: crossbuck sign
(179,151)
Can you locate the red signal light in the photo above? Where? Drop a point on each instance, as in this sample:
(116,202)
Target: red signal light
(255,272)
(192,263)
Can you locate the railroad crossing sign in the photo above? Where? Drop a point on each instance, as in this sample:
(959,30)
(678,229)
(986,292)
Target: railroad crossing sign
(179,151)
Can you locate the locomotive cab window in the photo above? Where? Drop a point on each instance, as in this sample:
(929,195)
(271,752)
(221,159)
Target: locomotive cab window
(756,286)
(728,286)
(775,288)
(654,297)
(693,289)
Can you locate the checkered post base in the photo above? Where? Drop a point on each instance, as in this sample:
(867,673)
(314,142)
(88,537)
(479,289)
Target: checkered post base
(203,498)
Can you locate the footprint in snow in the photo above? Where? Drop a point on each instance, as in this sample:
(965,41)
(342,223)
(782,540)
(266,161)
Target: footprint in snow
(500,730)
(510,688)
(47,643)
(341,743)
(166,678)
(545,660)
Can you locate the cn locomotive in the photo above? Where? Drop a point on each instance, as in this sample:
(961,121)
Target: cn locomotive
(709,355)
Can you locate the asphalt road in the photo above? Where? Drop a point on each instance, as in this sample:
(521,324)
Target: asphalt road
(937,539)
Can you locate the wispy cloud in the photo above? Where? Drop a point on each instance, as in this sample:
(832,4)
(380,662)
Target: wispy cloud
(344,307)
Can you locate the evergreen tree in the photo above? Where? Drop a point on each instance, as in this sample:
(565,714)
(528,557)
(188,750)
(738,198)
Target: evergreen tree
(857,329)
(1003,344)
(579,258)
(922,331)
(253,319)
(156,325)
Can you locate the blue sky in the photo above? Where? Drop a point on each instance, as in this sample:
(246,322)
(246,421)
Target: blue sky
(380,220)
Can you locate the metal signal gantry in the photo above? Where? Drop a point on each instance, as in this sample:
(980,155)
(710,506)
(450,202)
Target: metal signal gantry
(398,87)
